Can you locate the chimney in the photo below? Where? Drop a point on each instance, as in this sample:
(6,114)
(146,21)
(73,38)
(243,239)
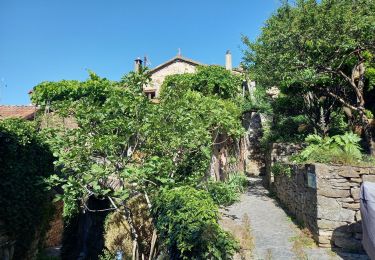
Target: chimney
(137,64)
(228,60)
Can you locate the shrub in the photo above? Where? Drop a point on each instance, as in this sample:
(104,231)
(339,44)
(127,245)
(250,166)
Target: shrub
(342,149)
(25,206)
(238,181)
(279,169)
(187,223)
(222,193)
(226,193)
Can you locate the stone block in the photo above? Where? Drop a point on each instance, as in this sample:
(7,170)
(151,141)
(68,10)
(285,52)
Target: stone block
(346,185)
(325,237)
(355,192)
(345,199)
(354,206)
(349,172)
(325,245)
(358,216)
(329,191)
(331,209)
(356,180)
(330,225)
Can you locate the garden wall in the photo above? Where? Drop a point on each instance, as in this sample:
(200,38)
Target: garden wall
(243,155)
(326,199)
(278,152)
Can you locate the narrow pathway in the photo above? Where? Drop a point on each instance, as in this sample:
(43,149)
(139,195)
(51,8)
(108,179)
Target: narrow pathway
(272,231)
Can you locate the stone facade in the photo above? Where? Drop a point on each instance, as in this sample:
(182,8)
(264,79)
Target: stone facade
(176,66)
(326,199)
(243,155)
(254,163)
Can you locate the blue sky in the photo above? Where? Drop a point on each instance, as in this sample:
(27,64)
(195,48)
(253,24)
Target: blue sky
(50,40)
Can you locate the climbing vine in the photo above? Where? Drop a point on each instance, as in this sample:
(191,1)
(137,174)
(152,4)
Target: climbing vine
(24,201)
(126,146)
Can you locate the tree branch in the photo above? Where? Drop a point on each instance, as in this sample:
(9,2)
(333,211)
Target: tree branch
(341,100)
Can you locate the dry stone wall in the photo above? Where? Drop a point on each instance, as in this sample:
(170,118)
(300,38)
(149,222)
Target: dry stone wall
(278,152)
(243,155)
(326,199)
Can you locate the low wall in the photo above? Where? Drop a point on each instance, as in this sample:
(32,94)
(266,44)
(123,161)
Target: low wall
(278,152)
(326,199)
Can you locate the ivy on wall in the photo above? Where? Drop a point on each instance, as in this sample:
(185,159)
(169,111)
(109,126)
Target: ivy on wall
(24,201)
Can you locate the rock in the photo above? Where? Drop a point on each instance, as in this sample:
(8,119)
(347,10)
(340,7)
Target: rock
(325,236)
(330,209)
(358,216)
(349,172)
(351,205)
(341,185)
(331,225)
(328,245)
(345,199)
(330,191)
(357,180)
(355,192)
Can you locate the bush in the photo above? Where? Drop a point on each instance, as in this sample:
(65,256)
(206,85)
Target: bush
(25,206)
(226,193)
(222,193)
(341,149)
(187,223)
(238,181)
(281,169)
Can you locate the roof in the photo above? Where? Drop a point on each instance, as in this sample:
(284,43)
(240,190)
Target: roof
(25,112)
(177,58)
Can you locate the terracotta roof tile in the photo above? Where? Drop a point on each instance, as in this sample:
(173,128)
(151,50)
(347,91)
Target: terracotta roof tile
(25,112)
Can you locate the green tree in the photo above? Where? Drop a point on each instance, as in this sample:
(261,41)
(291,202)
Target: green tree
(126,146)
(319,50)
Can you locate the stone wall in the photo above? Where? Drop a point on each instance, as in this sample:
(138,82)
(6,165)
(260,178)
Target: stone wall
(178,67)
(243,155)
(326,199)
(254,163)
(278,152)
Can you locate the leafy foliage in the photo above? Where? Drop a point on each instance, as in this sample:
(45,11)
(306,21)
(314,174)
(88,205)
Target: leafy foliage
(281,169)
(343,149)
(320,54)
(187,220)
(208,80)
(126,146)
(25,204)
(257,101)
(228,192)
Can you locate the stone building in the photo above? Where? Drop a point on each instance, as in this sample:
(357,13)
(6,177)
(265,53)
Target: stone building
(180,65)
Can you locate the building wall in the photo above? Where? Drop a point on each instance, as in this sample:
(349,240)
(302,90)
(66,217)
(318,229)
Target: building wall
(326,199)
(177,67)
(243,155)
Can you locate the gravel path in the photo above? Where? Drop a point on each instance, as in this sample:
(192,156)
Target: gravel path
(273,232)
